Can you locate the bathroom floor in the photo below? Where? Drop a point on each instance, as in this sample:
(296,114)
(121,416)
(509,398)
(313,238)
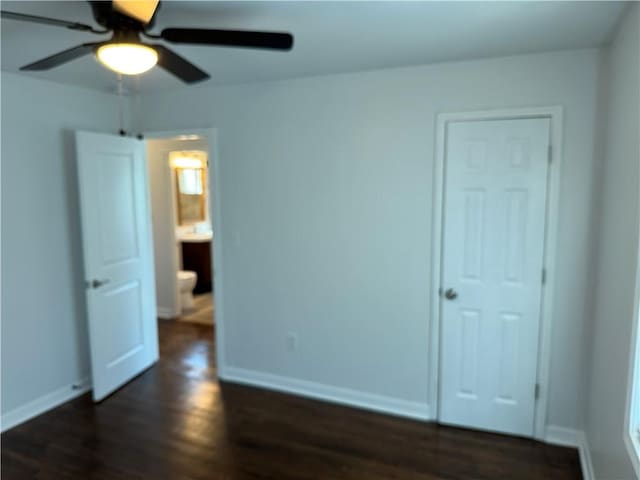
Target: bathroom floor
(202,312)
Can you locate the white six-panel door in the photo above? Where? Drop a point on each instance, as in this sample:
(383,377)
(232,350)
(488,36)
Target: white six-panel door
(493,246)
(118,258)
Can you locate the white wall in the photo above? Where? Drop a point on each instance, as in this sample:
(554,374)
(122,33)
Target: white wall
(163,205)
(618,244)
(326,200)
(44,339)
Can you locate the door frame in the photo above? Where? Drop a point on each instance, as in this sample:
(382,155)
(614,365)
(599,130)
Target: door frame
(555,114)
(210,134)
(174,310)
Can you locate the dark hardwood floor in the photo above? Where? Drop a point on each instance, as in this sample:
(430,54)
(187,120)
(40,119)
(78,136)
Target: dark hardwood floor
(176,422)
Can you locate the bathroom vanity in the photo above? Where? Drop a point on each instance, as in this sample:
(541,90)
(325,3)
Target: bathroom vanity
(196,257)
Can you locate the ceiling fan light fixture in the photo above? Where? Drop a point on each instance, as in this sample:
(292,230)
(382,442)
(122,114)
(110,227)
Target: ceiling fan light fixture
(127,58)
(125,53)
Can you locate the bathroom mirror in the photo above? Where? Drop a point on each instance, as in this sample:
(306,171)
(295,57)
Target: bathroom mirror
(191,186)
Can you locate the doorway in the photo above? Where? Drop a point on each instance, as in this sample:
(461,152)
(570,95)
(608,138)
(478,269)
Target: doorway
(209,138)
(497,195)
(183,231)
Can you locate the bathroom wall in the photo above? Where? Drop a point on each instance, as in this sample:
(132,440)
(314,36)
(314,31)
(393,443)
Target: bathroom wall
(44,337)
(164,217)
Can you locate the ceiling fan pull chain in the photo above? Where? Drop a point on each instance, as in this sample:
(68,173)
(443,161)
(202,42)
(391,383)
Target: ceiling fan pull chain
(138,115)
(122,131)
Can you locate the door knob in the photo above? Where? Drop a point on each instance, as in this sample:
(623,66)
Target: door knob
(95,283)
(450,294)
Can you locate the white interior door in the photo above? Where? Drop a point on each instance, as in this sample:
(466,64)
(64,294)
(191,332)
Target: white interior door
(493,246)
(118,258)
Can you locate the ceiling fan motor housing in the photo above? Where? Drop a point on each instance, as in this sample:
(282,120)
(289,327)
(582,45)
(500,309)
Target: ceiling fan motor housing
(108,17)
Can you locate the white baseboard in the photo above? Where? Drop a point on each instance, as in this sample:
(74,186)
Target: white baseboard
(561,436)
(567,437)
(40,405)
(165,313)
(585,457)
(318,391)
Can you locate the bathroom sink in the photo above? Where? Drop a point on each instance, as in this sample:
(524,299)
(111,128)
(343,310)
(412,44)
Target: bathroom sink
(195,237)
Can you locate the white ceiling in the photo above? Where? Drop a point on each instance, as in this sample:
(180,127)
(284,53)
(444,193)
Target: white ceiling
(330,37)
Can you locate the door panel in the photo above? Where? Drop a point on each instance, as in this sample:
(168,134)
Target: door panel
(118,258)
(493,245)
(117,195)
(470,342)
(473,234)
(122,305)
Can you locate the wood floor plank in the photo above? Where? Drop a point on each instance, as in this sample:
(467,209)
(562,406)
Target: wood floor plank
(177,422)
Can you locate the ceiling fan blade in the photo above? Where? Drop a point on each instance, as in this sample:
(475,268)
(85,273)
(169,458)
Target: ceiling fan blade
(141,10)
(62,57)
(179,66)
(49,21)
(229,38)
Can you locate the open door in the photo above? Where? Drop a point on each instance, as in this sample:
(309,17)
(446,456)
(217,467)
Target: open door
(118,258)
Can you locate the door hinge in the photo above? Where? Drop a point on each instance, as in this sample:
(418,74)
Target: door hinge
(549,153)
(544,276)
(536,393)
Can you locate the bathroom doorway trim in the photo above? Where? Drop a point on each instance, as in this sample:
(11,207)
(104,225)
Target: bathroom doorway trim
(210,134)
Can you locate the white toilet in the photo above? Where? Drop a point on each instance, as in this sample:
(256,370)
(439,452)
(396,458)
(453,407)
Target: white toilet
(186,283)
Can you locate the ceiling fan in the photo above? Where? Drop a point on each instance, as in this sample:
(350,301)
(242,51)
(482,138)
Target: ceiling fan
(126,53)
